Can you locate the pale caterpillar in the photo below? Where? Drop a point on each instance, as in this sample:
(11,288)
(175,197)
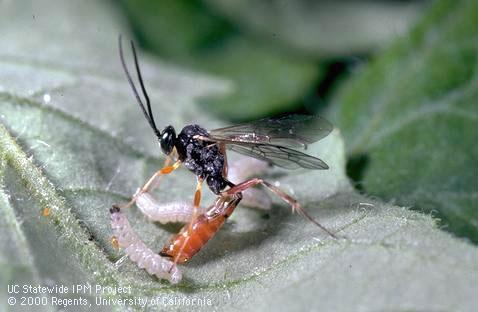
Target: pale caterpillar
(139,253)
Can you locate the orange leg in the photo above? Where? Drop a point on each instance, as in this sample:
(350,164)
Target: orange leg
(284,196)
(152,182)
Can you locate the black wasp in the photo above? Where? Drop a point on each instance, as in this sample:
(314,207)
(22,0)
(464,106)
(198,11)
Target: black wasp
(203,152)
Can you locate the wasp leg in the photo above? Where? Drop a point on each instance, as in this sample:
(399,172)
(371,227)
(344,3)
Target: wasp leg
(197,194)
(152,183)
(283,195)
(243,169)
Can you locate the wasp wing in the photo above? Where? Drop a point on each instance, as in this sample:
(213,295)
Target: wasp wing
(279,156)
(289,131)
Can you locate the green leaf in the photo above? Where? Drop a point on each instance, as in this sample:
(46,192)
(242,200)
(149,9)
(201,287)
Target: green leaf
(74,142)
(16,258)
(265,79)
(318,28)
(412,118)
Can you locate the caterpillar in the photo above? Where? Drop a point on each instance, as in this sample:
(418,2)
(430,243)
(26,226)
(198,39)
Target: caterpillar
(139,253)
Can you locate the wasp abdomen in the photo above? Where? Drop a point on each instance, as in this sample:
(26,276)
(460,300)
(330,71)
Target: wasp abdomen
(191,241)
(193,237)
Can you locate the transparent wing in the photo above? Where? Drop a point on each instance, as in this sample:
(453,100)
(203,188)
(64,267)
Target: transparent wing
(289,131)
(279,155)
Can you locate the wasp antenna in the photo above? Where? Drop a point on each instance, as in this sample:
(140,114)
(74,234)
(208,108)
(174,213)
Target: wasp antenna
(141,83)
(147,114)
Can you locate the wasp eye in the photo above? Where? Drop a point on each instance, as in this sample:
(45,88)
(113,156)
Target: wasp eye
(167,140)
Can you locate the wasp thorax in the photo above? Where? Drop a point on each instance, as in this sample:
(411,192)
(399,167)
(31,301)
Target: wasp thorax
(167,140)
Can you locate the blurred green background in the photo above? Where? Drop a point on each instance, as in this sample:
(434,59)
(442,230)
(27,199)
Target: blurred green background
(283,56)
(397,77)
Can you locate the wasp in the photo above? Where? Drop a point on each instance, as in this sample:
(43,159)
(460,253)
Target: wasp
(203,152)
